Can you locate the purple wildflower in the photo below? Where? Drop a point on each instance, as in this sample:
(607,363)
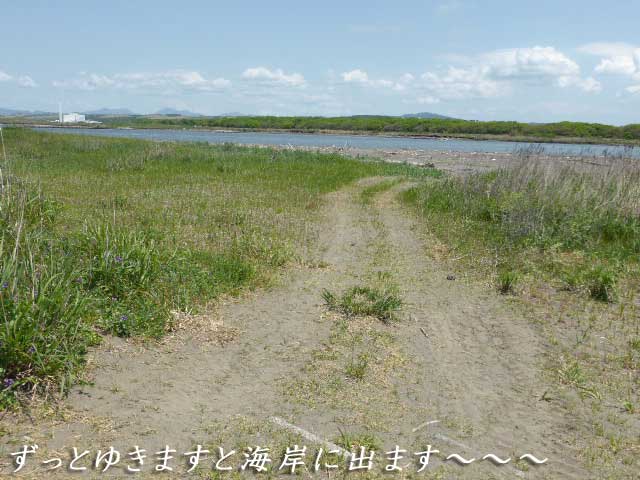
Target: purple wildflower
(124,318)
(32,349)
(5,285)
(118,259)
(8,382)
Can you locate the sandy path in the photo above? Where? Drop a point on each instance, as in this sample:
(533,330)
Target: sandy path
(477,372)
(481,360)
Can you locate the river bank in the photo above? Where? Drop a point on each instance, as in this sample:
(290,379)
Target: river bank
(109,123)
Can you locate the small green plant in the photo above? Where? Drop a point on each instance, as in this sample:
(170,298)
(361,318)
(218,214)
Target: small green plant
(352,441)
(507,280)
(628,407)
(573,374)
(601,284)
(330,300)
(358,369)
(365,301)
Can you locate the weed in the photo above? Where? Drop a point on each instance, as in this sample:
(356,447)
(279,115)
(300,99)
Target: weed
(365,301)
(507,280)
(353,442)
(357,369)
(601,283)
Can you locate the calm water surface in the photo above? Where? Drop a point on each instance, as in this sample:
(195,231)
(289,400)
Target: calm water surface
(354,141)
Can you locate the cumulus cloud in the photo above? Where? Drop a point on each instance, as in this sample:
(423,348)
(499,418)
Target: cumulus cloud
(460,83)
(532,62)
(22,80)
(488,75)
(589,84)
(276,76)
(617,59)
(355,76)
(495,73)
(174,79)
(361,77)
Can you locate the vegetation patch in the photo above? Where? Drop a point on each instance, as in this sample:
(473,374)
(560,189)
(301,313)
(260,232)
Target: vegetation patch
(398,125)
(367,194)
(102,235)
(575,221)
(364,301)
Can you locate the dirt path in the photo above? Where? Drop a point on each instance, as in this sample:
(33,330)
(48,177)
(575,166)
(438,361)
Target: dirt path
(459,356)
(482,359)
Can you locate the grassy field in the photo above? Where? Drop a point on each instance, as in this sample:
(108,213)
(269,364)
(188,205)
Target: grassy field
(115,236)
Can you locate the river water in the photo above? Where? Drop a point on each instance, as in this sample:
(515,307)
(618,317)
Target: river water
(353,141)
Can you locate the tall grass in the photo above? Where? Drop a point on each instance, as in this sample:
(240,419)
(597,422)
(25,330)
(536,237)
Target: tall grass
(589,206)
(43,336)
(108,236)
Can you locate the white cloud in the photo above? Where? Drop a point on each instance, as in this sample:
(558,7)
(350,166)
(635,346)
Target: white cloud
(276,76)
(589,84)
(615,58)
(361,77)
(529,62)
(607,49)
(355,76)
(495,73)
(26,81)
(23,80)
(460,83)
(173,79)
(488,75)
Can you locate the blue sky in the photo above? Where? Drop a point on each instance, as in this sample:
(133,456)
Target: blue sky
(530,61)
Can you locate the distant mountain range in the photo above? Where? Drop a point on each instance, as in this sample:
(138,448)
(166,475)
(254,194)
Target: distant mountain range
(10,112)
(426,115)
(184,113)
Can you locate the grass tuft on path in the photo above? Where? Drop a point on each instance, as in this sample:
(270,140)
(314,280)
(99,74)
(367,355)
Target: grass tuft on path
(364,301)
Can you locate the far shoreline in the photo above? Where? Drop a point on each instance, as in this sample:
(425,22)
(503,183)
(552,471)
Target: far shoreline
(355,133)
